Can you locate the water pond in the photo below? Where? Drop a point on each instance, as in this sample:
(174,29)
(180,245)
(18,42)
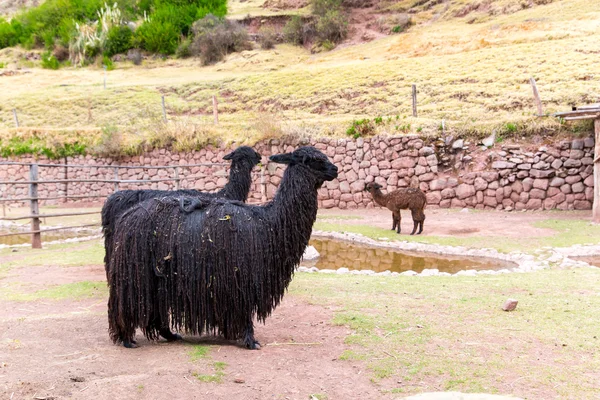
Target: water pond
(339,254)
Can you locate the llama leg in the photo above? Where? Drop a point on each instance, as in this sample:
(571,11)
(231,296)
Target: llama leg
(420,227)
(119,333)
(162,327)
(415,217)
(249,340)
(394,221)
(398,220)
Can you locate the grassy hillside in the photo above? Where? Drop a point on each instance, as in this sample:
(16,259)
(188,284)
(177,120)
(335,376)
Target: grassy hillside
(471,61)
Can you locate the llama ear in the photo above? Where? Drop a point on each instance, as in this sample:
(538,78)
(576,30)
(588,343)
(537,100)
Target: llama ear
(228,156)
(285,158)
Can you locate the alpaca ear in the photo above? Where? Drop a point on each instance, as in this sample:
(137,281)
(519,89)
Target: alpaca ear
(228,156)
(285,158)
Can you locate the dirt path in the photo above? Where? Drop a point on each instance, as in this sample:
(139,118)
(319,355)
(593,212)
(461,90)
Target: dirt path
(60,349)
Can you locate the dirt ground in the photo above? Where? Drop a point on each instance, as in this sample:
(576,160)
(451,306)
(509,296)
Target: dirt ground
(454,222)
(60,349)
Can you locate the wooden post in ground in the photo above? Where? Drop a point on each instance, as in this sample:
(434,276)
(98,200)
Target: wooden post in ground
(177,186)
(536,96)
(596,205)
(16,117)
(215,110)
(116,174)
(36,237)
(414,100)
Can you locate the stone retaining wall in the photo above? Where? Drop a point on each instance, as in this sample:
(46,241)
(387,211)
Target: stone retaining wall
(452,174)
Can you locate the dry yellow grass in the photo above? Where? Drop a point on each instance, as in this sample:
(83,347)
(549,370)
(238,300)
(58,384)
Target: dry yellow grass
(471,71)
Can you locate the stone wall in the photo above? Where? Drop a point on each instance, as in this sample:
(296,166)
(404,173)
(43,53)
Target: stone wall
(453,174)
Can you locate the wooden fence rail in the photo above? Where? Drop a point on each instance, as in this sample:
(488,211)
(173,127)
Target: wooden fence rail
(34,182)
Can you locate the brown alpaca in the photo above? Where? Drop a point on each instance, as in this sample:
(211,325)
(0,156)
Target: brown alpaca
(401,199)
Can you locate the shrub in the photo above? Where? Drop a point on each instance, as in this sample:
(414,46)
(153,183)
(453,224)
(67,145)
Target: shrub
(215,38)
(135,56)
(61,53)
(8,35)
(293,31)
(322,7)
(158,37)
(183,50)
(362,127)
(118,40)
(49,61)
(108,63)
(333,27)
(267,37)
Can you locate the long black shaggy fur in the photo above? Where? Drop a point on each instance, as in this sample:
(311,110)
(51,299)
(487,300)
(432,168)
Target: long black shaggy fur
(212,265)
(243,159)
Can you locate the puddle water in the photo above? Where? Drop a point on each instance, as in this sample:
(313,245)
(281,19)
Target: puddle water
(592,260)
(46,237)
(338,254)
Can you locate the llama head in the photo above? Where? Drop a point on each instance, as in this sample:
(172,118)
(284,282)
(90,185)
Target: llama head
(372,187)
(244,154)
(316,163)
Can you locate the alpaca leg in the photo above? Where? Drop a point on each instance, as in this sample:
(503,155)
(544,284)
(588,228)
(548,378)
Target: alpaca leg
(249,340)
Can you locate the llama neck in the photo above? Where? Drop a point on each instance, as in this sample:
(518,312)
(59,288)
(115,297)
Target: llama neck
(238,186)
(295,206)
(379,197)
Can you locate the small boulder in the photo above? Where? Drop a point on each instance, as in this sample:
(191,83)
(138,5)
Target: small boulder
(510,305)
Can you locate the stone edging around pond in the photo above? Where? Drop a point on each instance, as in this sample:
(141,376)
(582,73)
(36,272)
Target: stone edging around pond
(17,227)
(525,262)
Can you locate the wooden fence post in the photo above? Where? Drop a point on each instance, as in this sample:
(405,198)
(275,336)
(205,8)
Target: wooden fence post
(104,76)
(536,96)
(116,171)
(263,184)
(36,236)
(414,100)
(215,110)
(596,205)
(176,178)
(66,183)
(164,109)
(16,117)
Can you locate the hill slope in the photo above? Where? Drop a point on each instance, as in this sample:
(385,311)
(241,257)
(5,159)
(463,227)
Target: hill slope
(471,62)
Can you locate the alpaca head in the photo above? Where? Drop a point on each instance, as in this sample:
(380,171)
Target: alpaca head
(372,187)
(312,160)
(243,154)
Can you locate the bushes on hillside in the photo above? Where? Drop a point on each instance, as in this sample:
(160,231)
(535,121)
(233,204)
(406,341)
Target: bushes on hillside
(214,38)
(118,40)
(328,26)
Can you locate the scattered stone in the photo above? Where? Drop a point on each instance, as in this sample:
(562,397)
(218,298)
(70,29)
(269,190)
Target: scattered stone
(490,140)
(310,253)
(510,305)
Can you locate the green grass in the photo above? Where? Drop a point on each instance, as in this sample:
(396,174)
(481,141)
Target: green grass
(568,232)
(73,291)
(450,333)
(64,255)
(338,217)
(216,377)
(198,352)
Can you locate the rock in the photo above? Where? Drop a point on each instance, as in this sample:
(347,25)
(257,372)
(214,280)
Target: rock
(576,154)
(534,204)
(434,197)
(463,191)
(573,179)
(490,176)
(572,163)
(536,173)
(582,205)
(527,184)
(448,193)
(524,166)
(537,194)
(503,165)
(588,142)
(540,184)
(510,305)
(490,140)
(458,144)
(403,163)
(437,184)
(426,151)
(578,187)
(577,144)
(480,184)
(557,182)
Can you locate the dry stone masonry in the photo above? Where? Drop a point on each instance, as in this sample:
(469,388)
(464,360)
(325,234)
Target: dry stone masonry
(451,173)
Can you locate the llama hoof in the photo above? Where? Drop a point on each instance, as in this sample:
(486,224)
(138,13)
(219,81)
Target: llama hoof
(175,338)
(252,344)
(130,345)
